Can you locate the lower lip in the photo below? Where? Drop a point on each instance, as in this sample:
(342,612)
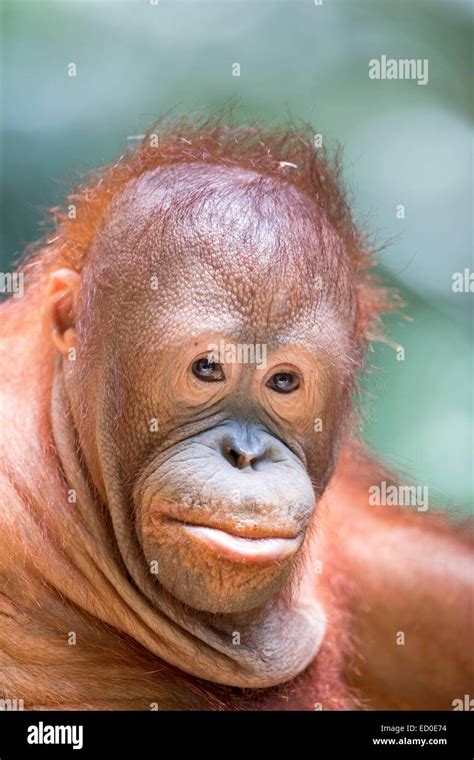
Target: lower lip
(241,549)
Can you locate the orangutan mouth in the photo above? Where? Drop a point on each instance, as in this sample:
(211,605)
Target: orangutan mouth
(240,548)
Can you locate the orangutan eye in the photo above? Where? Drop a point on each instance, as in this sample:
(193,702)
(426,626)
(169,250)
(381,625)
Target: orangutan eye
(208,370)
(284,382)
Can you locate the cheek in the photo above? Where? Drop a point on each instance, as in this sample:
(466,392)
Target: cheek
(322,445)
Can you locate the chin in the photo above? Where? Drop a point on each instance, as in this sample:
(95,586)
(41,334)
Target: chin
(228,569)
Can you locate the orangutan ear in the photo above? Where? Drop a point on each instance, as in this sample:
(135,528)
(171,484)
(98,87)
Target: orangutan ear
(59,314)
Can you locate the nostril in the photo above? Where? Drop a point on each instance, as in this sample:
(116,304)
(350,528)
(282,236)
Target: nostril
(233,457)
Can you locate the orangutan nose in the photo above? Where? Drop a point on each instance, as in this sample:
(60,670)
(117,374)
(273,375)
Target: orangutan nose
(240,459)
(246,446)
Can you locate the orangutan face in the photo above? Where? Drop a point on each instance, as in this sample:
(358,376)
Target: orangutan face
(217,391)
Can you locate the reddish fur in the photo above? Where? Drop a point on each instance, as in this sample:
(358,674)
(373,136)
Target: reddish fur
(30,473)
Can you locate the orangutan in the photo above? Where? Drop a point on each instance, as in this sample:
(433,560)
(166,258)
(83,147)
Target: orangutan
(185,513)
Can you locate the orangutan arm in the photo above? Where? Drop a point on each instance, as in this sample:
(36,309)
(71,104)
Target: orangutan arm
(412,581)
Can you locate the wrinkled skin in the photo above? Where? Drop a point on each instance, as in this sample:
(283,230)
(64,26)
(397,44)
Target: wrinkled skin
(199,502)
(180,469)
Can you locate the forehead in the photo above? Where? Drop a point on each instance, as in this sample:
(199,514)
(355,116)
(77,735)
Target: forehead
(228,250)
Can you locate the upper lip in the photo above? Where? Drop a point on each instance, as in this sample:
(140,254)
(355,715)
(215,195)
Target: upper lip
(240,531)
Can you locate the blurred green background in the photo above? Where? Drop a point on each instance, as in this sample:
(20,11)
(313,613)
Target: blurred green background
(403,144)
